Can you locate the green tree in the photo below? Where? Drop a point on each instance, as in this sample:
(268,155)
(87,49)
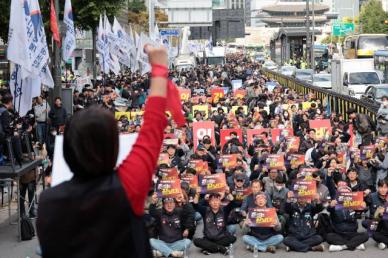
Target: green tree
(372,17)
(5,6)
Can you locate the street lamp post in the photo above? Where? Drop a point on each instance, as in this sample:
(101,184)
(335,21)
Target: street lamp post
(308,38)
(313,37)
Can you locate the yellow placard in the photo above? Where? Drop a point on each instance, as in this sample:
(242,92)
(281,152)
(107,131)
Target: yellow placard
(234,108)
(306,105)
(118,115)
(136,113)
(201,108)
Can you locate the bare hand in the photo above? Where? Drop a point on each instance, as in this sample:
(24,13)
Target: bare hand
(154,198)
(157,56)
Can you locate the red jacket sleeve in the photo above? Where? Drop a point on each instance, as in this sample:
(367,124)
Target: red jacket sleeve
(137,169)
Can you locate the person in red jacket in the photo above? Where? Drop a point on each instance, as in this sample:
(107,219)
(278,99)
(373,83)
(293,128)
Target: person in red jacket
(98,213)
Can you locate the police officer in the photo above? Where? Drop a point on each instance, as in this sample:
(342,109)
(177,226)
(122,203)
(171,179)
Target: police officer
(171,229)
(216,236)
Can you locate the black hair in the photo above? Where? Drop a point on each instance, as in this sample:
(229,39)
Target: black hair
(382,182)
(91,142)
(7,98)
(57,99)
(279,179)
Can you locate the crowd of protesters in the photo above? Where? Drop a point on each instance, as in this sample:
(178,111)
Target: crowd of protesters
(347,156)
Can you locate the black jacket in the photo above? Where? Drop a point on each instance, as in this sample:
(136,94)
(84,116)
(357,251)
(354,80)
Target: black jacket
(343,220)
(88,219)
(58,116)
(5,119)
(301,223)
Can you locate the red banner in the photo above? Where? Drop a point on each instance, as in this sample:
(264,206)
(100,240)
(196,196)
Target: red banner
(293,143)
(229,161)
(304,189)
(191,180)
(169,188)
(251,133)
(367,152)
(199,165)
(276,161)
(322,128)
(169,173)
(240,94)
(295,160)
(195,100)
(225,135)
(184,94)
(351,200)
(215,183)
(278,134)
(164,159)
(217,93)
(262,217)
(200,129)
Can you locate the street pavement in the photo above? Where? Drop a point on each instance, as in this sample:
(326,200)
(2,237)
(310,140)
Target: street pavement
(10,247)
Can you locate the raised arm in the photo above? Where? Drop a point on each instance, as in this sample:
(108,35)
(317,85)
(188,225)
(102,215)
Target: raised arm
(137,169)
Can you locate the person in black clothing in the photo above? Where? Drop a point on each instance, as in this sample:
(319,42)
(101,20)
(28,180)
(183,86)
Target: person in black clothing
(363,125)
(5,120)
(175,160)
(58,114)
(302,236)
(216,236)
(171,229)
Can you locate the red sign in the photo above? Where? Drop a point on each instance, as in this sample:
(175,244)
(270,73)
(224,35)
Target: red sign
(240,194)
(276,161)
(169,173)
(184,94)
(262,217)
(322,128)
(225,135)
(215,183)
(191,180)
(217,93)
(164,159)
(169,188)
(367,152)
(279,134)
(199,165)
(351,200)
(240,94)
(229,161)
(295,160)
(293,144)
(195,100)
(201,129)
(251,133)
(304,189)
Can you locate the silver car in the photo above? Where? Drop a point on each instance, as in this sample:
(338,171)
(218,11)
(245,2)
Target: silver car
(288,70)
(304,74)
(322,80)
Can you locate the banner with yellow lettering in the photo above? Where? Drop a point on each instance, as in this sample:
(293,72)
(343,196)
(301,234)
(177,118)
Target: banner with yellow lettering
(305,190)
(262,217)
(169,188)
(215,183)
(350,200)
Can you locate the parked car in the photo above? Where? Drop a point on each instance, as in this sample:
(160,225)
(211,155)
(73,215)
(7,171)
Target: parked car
(288,70)
(304,74)
(322,80)
(374,93)
(270,65)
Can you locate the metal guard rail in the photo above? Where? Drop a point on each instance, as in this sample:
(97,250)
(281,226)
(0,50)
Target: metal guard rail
(338,102)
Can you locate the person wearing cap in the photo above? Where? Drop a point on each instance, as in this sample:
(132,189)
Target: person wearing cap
(262,238)
(345,226)
(172,229)
(302,235)
(377,208)
(256,187)
(216,237)
(363,125)
(203,154)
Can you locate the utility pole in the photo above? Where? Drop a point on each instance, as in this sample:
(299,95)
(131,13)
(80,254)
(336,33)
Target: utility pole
(57,91)
(151,17)
(308,38)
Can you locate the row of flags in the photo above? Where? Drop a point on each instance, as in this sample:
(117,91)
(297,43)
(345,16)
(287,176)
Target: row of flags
(28,51)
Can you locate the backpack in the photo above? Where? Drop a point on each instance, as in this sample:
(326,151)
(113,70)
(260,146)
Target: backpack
(27,230)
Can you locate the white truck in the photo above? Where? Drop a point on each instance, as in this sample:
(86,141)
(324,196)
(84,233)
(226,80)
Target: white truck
(352,76)
(184,62)
(215,56)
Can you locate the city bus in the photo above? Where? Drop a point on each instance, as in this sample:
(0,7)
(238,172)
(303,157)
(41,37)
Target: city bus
(381,63)
(364,45)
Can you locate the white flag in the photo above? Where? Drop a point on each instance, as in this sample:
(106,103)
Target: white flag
(142,57)
(120,47)
(23,90)
(102,47)
(113,61)
(69,43)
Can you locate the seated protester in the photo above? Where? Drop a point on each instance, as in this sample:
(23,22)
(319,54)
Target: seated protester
(354,183)
(379,202)
(322,190)
(171,229)
(269,181)
(216,237)
(202,153)
(188,212)
(262,238)
(210,149)
(278,194)
(232,142)
(249,201)
(237,172)
(308,141)
(258,161)
(302,236)
(345,225)
(175,160)
(365,174)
